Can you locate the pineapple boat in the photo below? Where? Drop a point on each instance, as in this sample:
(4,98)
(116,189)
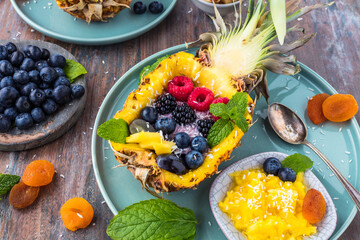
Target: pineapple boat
(93,10)
(191,112)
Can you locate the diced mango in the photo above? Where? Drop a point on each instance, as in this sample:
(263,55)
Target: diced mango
(147,145)
(144,137)
(163,148)
(131,146)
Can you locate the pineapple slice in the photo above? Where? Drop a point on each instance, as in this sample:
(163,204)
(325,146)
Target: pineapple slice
(147,137)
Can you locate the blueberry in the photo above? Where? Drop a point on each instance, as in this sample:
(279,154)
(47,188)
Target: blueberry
(27,65)
(11,113)
(5,123)
(2,109)
(199,144)
(28,88)
(49,106)
(48,74)
(44,85)
(10,47)
(41,64)
(59,71)
(34,76)
(6,68)
(24,121)
(21,77)
(166,125)
(8,96)
(3,53)
(156,7)
(23,104)
(49,93)
(62,81)
(272,166)
(77,91)
(37,97)
(7,82)
(62,94)
(182,140)
(33,52)
(194,159)
(57,61)
(287,174)
(139,7)
(171,163)
(149,114)
(38,115)
(45,54)
(17,58)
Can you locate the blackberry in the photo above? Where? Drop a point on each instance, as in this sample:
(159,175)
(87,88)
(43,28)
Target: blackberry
(183,114)
(204,126)
(165,104)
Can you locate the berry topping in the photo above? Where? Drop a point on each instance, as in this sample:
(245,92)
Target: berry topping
(180,87)
(165,104)
(199,144)
(149,114)
(156,7)
(166,125)
(171,163)
(194,159)
(200,99)
(183,114)
(272,166)
(182,140)
(139,7)
(287,174)
(219,100)
(204,126)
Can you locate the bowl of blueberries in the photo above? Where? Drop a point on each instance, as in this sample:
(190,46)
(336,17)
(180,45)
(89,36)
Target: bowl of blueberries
(38,101)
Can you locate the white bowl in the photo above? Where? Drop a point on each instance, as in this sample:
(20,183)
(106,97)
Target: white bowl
(208,8)
(223,182)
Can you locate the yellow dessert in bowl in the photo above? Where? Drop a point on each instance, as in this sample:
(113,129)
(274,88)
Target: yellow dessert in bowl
(262,206)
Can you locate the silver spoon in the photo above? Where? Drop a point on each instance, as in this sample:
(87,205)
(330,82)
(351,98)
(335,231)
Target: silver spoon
(290,128)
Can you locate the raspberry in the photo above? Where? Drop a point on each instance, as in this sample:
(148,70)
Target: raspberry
(200,99)
(180,87)
(165,104)
(219,100)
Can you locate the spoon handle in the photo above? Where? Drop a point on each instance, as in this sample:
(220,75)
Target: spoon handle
(354,194)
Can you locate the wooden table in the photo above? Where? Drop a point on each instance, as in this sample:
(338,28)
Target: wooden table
(334,54)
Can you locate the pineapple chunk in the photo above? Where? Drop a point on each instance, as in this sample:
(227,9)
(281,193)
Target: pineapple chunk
(142,137)
(163,148)
(147,145)
(120,146)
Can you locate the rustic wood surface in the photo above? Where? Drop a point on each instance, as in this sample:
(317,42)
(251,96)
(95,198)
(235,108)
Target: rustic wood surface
(334,54)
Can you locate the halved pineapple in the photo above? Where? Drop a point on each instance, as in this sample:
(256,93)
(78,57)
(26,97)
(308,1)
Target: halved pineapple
(229,61)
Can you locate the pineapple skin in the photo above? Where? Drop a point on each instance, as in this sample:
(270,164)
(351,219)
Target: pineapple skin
(150,88)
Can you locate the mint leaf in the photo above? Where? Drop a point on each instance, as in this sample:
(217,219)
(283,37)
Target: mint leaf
(239,100)
(219,110)
(152,220)
(242,123)
(219,131)
(73,70)
(233,113)
(297,162)
(115,130)
(146,70)
(7,181)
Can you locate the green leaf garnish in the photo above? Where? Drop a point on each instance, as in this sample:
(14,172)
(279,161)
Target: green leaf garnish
(115,130)
(73,70)
(152,220)
(297,162)
(7,181)
(219,131)
(219,110)
(146,70)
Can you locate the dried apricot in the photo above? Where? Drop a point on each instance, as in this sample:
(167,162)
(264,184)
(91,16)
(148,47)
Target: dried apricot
(38,173)
(340,107)
(76,213)
(314,206)
(314,108)
(22,195)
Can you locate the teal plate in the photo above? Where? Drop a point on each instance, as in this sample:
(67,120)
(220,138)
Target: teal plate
(338,141)
(49,19)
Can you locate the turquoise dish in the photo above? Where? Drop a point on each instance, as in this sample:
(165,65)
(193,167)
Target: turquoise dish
(47,18)
(338,141)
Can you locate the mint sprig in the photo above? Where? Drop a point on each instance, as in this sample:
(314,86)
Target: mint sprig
(115,130)
(152,220)
(230,114)
(297,162)
(7,181)
(146,70)
(73,70)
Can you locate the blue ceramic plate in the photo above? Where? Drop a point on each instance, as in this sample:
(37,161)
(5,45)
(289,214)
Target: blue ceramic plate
(46,17)
(338,141)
